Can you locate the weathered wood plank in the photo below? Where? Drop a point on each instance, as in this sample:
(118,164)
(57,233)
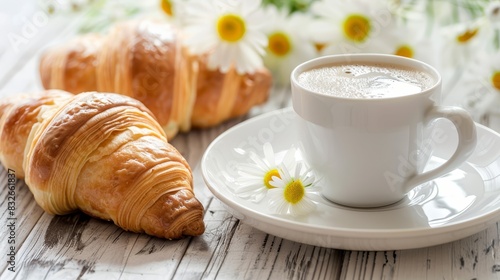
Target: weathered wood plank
(28,38)
(254,254)
(25,215)
(80,245)
(475,257)
(207,253)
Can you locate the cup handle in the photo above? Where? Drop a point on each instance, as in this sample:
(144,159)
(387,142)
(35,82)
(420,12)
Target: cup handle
(467,139)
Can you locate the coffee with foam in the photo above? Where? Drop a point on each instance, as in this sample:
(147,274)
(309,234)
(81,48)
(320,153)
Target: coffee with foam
(365,80)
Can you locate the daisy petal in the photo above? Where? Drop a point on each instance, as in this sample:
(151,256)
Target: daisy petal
(269,153)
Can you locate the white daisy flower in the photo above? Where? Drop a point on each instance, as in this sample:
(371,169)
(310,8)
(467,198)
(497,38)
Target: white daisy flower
(254,179)
(229,30)
(482,82)
(320,35)
(168,7)
(462,42)
(350,24)
(408,40)
(293,195)
(288,45)
(173,9)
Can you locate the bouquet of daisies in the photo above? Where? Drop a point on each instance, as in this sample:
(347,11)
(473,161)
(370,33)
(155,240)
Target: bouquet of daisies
(461,38)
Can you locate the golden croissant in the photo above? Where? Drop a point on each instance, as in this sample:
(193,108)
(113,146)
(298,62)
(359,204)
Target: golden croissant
(101,153)
(145,59)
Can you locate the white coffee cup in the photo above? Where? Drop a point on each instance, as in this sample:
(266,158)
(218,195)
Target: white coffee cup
(370,152)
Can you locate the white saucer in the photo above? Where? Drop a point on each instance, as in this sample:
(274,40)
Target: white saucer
(452,207)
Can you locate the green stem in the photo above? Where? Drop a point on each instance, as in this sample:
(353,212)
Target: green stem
(496,40)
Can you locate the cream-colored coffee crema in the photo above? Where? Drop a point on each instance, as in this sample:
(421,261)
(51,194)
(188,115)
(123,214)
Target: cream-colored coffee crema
(365,80)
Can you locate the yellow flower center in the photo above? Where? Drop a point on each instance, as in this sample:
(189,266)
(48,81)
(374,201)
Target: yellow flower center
(405,51)
(495,80)
(294,192)
(319,46)
(357,28)
(467,35)
(269,177)
(231,28)
(279,44)
(166,6)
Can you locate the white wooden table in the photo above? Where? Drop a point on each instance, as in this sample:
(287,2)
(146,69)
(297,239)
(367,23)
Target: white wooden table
(79,247)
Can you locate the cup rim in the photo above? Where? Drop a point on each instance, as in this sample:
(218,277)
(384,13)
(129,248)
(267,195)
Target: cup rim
(366,57)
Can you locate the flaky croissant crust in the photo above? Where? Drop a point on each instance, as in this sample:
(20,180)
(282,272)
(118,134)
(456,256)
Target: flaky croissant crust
(105,154)
(17,117)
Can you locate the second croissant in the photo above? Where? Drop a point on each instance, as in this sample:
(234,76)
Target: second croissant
(145,59)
